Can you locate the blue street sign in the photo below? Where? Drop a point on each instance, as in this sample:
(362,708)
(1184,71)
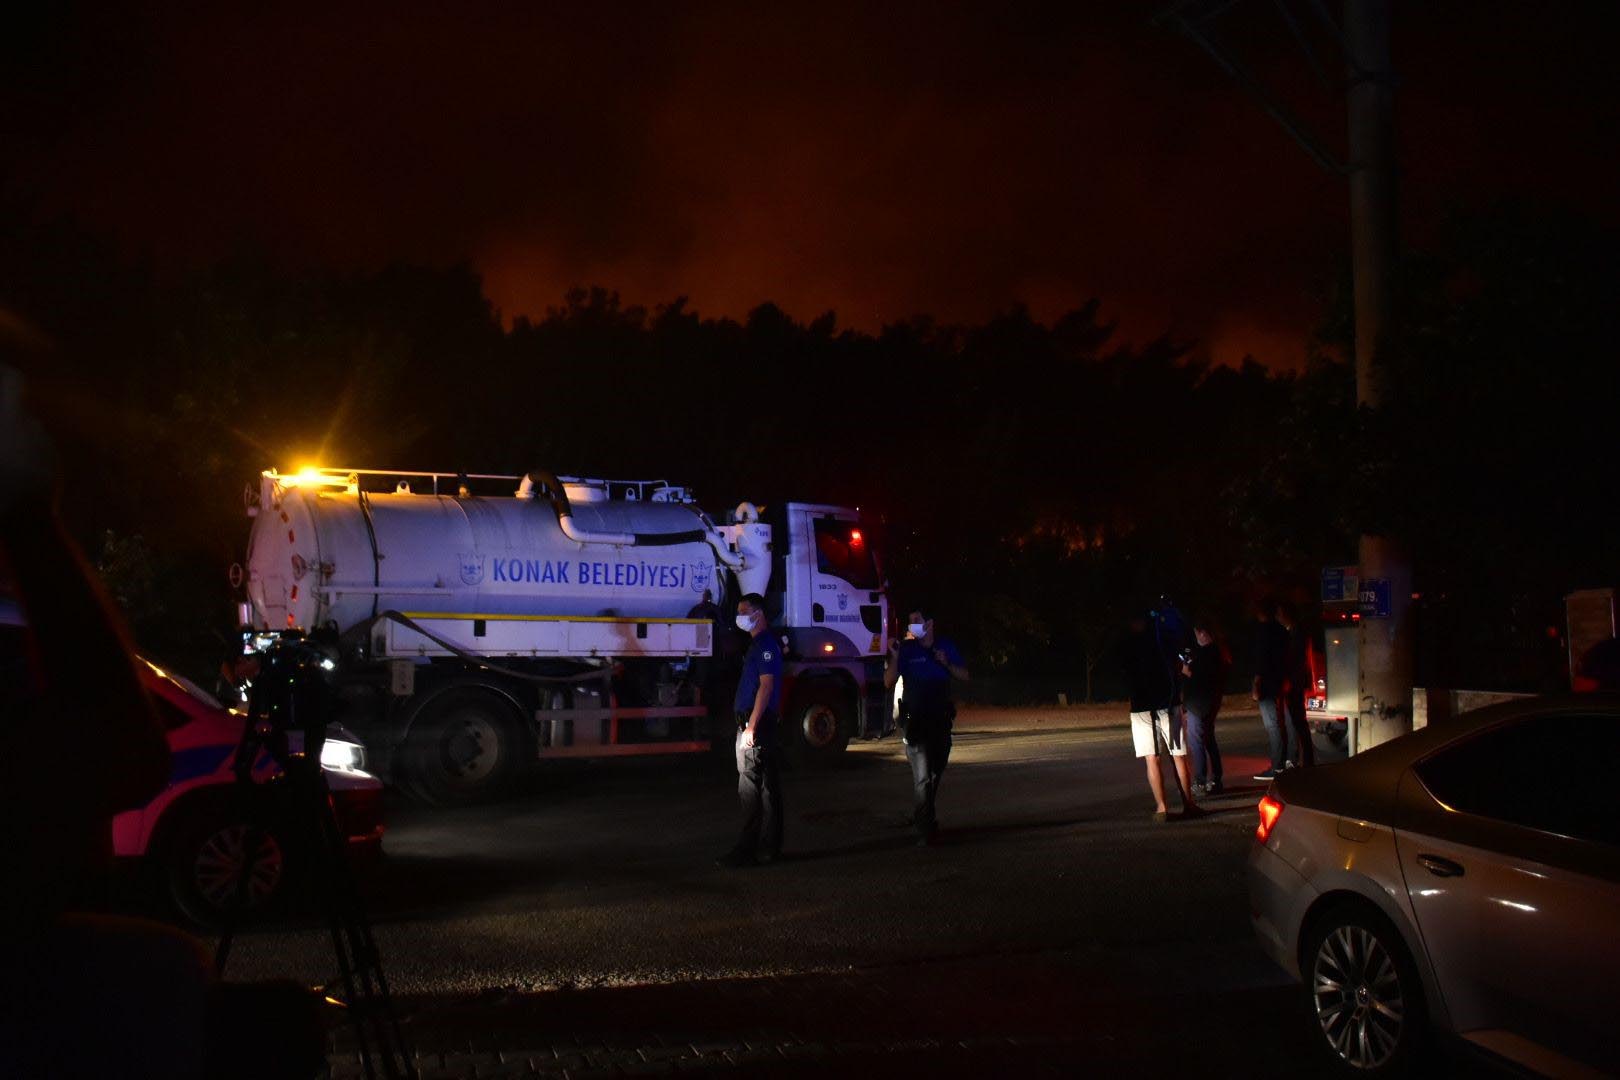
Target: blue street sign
(1339,583)
(1373,600)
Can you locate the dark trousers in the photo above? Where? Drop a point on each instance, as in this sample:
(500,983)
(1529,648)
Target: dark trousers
(1299,729)
(759,790)
(1277,729)
(928,756)
(1201,747)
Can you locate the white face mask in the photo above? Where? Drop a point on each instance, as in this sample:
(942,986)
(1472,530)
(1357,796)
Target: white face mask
(745,622)
(918,630)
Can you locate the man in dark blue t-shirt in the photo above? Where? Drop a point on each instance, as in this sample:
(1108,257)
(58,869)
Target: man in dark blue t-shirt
(925,664)
(758,704)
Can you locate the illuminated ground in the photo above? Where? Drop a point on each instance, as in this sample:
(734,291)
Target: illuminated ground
(1051,882)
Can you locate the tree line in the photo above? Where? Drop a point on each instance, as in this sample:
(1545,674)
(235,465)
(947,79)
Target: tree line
(1035,481)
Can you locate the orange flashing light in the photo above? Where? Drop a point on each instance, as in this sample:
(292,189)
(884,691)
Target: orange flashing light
(828,647)
(1270,810)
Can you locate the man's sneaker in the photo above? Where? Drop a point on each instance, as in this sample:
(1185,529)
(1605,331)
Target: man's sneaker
(1269,774)
(734,859)
(1199,788)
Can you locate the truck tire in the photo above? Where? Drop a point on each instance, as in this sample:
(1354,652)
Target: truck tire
(208,852)
(819,722)
(464,747)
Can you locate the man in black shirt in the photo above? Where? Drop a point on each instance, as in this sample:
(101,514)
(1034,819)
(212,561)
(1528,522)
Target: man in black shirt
(1204,672)
(1270,667)
(1296,682)
(1156,722)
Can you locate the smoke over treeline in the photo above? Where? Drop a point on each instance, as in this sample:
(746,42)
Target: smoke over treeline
(1034,481)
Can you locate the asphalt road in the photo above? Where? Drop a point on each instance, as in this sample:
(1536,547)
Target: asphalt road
(1054,910)
(603,874)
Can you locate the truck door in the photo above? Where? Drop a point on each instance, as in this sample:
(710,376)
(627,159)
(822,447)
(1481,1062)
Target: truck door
(844,589)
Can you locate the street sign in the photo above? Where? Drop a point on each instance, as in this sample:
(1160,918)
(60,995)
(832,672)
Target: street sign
(1340,583)
(1373,598)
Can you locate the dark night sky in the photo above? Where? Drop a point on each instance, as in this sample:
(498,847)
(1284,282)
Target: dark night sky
(877,160)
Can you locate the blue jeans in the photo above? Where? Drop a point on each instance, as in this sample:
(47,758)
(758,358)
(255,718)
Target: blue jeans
(1201,744)
(928,757)
(1281,736)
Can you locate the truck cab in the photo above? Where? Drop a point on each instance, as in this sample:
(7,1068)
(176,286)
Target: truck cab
(828,600)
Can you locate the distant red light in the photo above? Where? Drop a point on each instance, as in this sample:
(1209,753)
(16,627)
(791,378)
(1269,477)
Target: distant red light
(855,536)
(1270,810)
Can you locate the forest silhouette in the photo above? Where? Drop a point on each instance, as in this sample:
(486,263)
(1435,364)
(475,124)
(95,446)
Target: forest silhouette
(1036,482)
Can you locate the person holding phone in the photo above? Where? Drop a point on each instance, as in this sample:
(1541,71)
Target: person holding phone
(927,664)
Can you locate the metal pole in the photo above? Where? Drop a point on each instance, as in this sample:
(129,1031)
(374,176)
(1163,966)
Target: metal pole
(1386,640)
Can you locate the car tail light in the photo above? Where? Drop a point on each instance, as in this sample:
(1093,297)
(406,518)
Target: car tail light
(1270,810)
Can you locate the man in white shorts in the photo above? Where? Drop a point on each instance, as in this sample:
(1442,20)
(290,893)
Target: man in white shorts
(1156,719)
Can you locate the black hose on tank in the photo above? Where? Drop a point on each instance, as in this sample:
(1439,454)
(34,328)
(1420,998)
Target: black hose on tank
(558,496)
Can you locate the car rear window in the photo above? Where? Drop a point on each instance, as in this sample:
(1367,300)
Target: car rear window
(1552,773)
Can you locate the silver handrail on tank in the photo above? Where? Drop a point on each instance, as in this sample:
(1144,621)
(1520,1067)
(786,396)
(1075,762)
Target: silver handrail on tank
(350,477)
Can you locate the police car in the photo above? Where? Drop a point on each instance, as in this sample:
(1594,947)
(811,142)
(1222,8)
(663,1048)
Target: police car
(195,833)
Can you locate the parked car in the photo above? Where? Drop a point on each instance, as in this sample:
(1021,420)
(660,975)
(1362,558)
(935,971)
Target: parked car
(195,833)
(1463,879)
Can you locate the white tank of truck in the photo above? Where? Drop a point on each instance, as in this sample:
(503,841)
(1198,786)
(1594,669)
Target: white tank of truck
(324,552)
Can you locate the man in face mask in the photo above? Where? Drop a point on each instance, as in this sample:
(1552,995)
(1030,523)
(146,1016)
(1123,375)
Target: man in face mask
(927,663)
(758,704)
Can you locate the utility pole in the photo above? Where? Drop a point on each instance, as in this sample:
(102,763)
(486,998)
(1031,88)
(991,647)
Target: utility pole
(1387,638)
(1386,572)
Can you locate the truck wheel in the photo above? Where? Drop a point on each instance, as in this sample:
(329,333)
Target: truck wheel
(216,844)
(819,724)
(463,748)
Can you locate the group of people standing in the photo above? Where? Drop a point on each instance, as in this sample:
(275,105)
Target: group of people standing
(1177,682)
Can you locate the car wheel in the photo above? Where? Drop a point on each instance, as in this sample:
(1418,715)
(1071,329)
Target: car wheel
(225,866)
(1364,991)
(819,726)
(463,748)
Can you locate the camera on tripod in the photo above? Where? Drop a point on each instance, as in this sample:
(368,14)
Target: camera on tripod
(291,707)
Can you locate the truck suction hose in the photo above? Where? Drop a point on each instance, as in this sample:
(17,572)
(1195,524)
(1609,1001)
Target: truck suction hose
(483,662)
(548,483)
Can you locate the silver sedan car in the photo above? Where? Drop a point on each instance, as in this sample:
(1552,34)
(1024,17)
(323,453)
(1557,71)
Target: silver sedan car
(1463,879)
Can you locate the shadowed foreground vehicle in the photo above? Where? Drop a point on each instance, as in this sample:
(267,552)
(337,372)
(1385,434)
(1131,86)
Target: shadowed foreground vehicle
(1463,879)
(196,831)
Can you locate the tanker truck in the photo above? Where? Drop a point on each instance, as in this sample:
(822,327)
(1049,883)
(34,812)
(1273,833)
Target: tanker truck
(481,623)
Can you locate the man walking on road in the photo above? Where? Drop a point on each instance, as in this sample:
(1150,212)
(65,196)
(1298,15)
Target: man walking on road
(927,664)
(758,704)
(1156,723)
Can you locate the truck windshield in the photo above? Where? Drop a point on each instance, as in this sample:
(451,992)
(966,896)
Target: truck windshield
(843,552)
